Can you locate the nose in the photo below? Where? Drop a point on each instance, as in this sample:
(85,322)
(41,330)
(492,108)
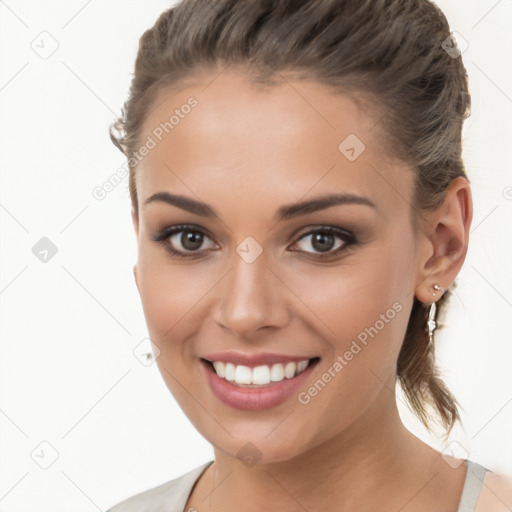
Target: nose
(251,299)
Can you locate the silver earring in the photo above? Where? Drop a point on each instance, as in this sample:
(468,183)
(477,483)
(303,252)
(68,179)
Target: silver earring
(431,323)
(436,288)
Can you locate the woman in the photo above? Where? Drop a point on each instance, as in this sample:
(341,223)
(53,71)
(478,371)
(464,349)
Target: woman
(302,211)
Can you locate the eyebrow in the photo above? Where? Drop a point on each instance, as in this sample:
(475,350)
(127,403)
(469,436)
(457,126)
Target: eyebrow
(285,212)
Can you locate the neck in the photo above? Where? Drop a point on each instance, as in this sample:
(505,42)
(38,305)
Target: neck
(357,466)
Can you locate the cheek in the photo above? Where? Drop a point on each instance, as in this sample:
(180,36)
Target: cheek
(171,294)
(361,309)
(174,298)
(363,314)
(353,301)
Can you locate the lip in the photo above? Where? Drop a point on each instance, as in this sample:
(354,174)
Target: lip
(256,359)
(253,399)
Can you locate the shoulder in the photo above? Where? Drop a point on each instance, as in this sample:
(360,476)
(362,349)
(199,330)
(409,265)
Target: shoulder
(496,494)
(164,496)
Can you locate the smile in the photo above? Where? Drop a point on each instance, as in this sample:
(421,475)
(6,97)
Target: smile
(260,375)
(256,387)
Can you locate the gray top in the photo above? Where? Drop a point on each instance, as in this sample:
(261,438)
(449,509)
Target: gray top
(472,487)
(173,495)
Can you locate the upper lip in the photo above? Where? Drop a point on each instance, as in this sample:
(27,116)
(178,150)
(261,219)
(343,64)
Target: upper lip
(254,359)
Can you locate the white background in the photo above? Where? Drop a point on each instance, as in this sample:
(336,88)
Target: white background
(68,375)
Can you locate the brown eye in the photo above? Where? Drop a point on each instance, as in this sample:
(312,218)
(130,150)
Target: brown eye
(191,240)
(326,241)
(183,241)
(322,242)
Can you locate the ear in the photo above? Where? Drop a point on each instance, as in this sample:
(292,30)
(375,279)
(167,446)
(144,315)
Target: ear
(445,241)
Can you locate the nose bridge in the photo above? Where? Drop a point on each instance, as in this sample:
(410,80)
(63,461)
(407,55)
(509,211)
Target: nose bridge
(250,296)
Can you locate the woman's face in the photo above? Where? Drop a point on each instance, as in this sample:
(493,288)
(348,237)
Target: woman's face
(264,281)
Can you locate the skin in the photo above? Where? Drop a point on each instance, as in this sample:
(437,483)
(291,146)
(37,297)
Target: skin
(247,151)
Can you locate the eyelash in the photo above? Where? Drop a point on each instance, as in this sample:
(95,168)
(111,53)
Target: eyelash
(162,238)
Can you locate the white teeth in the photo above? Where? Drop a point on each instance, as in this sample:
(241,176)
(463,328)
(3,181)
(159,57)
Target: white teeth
(289,370)
(243,375)
(230,371)
(220,368)
(277,372)
(259,375)
(302,366)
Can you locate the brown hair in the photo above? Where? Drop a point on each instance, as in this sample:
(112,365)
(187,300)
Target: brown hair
(389,50)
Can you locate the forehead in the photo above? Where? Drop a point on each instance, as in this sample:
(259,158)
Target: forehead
(224,131)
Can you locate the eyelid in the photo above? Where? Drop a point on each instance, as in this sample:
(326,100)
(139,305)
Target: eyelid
(323,228)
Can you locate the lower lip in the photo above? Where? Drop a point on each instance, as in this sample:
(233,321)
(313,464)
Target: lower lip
(253,399)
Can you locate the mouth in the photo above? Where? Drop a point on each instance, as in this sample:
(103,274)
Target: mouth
(253,388)
(259,376)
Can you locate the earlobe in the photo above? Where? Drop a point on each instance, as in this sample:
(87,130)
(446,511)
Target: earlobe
(448,240)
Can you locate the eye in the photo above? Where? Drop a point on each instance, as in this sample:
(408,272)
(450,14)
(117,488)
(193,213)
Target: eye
(321,242)
(183,241)
(188,241)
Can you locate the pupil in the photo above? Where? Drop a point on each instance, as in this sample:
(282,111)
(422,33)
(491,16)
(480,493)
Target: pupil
(325,242)
(191,240)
